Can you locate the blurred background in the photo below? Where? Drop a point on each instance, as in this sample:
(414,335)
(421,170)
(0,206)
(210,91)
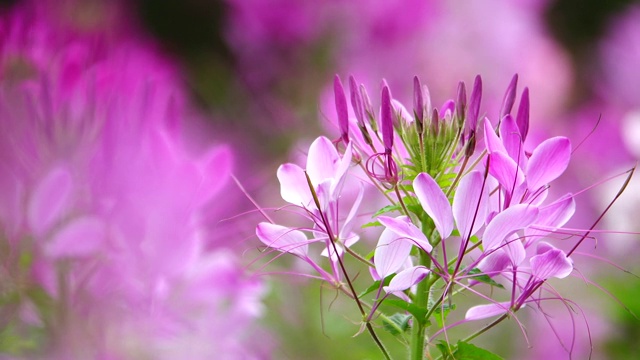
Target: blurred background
(259,74)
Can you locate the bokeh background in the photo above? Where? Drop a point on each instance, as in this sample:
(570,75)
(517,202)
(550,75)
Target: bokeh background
(258,73)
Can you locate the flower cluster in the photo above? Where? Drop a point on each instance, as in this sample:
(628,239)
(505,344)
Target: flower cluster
(464,207)
(105,252)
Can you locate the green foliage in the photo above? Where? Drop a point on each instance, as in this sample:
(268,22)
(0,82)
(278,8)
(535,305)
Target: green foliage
(418,312)
(388,208)
(483,278)
(396,324)
(441,313)
(465,351)
(16,341)
(371,224)
(376,285)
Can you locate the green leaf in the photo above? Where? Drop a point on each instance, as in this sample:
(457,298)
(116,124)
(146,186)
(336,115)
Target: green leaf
(442,312)
(371,224)
(418,312)
(396,324)
(376,285)
(484,278)
(465,351)
(387,209)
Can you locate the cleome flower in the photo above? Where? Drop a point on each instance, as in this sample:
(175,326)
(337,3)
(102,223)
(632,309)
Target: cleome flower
(105,253)
(459,210)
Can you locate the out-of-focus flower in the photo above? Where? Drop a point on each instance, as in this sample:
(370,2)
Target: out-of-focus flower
(102,208)
(619,58)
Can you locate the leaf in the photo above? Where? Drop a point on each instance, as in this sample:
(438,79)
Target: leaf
(484,278)
(418,312)
(376,285)
(442,312)
(466,351)
(397,323)
(371,224)
(386,209)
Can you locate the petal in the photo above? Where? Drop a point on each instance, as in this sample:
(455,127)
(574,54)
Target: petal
(494,263)
(81,237)
(552,217)
(341,172)
(294,187)
(512,140)
(347,225)
(515,250)
(551,263)
(548,161)
(407,278)
(322,160)
(401,112)
(391,253)
(491,139)
(506,171)
(485,311)
(508,222)
(283,238)
(405,229)
(215,169)
(435,203)
(470,204)
(50,200)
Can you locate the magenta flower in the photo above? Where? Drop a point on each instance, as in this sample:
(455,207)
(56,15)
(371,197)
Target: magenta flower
(101,196)
(454,219)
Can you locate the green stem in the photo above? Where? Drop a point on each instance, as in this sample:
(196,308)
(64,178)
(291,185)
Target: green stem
(422,301)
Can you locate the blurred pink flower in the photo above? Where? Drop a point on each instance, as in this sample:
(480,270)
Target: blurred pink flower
(102,208)
(619,58)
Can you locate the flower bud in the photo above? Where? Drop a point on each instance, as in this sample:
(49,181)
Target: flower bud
(386,118)
(474,103)
(522,119)
(509,97)
(341,108)
(461,101)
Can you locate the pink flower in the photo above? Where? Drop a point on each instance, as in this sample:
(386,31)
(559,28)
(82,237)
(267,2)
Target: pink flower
(100,194)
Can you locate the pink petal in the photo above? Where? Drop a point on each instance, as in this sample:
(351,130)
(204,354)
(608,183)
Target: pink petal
(347,225)
(407,278)
(391,253)
(435,203)
(470,202)
(485,311)
(322,160)
(491,139)
(81,237)
(548,161)
(294,187)
(341,172)
(401,111)
(551,263)
(283,238)
(508,222)
(405,229)
(494,263)
(506,171)
(552,217)
(515,250)
(50,200)
(512,140)
(215,169)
